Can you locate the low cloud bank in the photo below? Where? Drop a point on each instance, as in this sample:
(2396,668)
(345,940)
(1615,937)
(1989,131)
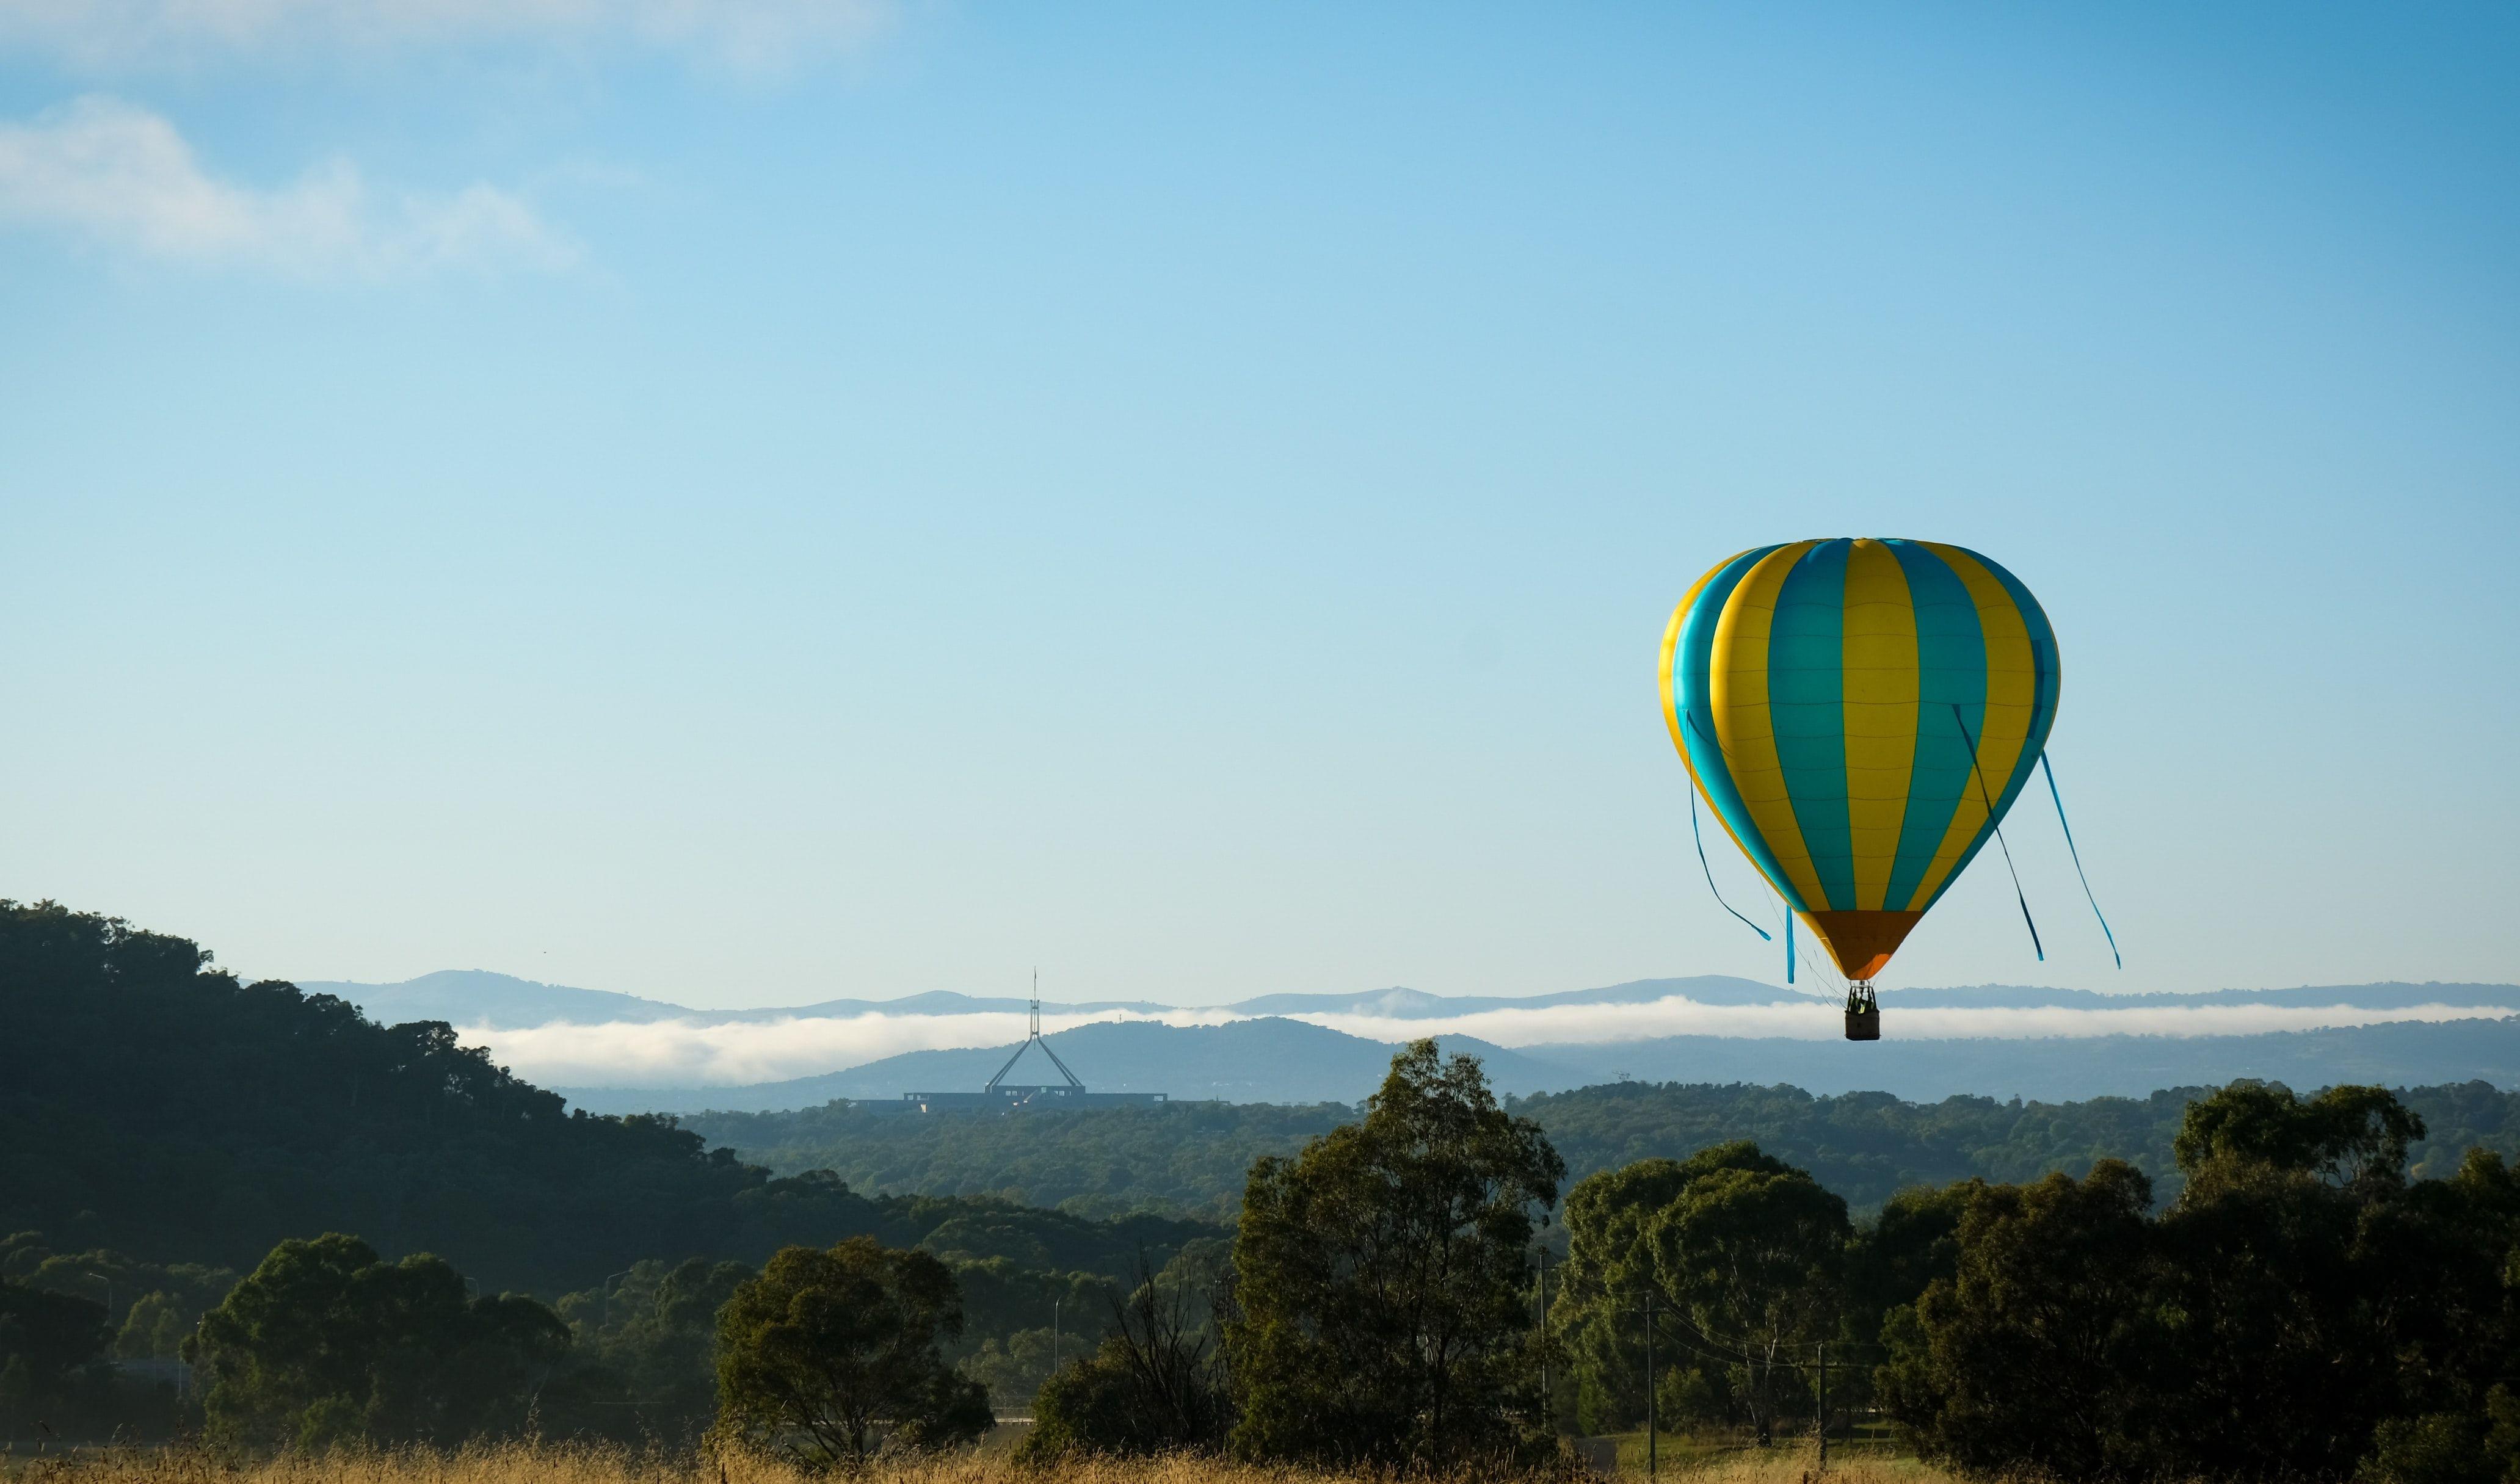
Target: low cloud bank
(690,1053)
(1603,1024)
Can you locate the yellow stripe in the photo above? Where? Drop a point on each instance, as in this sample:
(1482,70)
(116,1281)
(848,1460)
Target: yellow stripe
(2011,701)
(1880,635)
(1671,699)
(1747,733)
(1671,654)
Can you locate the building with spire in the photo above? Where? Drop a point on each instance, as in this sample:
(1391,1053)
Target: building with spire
(1002,1096)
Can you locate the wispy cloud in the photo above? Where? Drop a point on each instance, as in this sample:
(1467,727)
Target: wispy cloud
(692,1054)
(752,36)
(122,177)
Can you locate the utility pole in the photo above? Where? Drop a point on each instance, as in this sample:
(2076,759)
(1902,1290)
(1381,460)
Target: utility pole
(1821,1347)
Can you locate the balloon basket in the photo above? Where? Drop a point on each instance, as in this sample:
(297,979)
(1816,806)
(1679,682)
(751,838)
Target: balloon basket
(1863,1013)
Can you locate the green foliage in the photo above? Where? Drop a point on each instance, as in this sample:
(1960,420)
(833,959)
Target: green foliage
(155,1105)
(1156,1384)
(648,1344)
(1383,1280)
(47,1342)
(2352,1136)
(1609,1269)
(325,1342)
(828,1354)
(1743,1256)
(2437,1448)
(153,1305)
(2300,1311)
(2037,1356)
(1180,1157)
(1751,1260)
(1017,1319)
(1867,1146)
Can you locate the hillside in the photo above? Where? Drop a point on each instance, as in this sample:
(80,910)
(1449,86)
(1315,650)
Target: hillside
(1297,1063)
(1863,1146)
(155,1105)
(1263,1060)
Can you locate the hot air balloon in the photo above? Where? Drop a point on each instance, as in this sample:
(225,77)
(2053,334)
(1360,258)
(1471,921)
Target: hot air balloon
(1860,714)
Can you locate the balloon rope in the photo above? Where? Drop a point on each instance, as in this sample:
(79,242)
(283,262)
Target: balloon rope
(1989,802)
(1710,876)
(2049,769)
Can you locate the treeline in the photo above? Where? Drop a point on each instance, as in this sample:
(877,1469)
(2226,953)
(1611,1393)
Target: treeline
(164,1128)
(2301,1311)
(1186,1157)
(152,1103)
(1192,1157)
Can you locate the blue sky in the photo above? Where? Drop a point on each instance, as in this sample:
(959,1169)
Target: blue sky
(760,504)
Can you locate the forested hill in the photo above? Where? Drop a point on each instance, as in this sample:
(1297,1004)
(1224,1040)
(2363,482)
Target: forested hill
(1192,1157)
(155,1105)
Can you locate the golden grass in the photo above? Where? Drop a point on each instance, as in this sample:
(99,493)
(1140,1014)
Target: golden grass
(525,1463)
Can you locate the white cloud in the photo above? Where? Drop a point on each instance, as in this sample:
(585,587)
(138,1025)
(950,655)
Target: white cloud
(1599,1024)
(691,1053)
(694,1054)
(122,177)
(746,36)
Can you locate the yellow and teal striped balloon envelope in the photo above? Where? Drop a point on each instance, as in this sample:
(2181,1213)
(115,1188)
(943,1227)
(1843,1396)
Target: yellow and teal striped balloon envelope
(1860,714)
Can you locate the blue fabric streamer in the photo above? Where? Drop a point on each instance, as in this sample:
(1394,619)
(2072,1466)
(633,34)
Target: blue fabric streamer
(1790,945)
(2036,947)
(1710,873)
(2049,769)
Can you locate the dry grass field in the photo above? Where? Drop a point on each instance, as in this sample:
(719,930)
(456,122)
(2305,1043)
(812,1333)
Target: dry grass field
(526,1464)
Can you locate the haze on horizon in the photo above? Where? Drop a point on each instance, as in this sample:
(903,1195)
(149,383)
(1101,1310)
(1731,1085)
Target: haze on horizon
(878,498)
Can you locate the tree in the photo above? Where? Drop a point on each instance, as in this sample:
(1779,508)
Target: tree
(1751,1259)
(1740,1253)
(2040,1354)
(1156,1384)
(832,1353)
(2301,1311)
(653,1344)
(2354,1137)
(1609,1269)
(326,1342)
(2315,1296)
(1384,1282)
(46,1341)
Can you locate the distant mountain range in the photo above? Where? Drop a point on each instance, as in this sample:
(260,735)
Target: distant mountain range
(1270,1056)
(474,997)
(479,997)
(1280,1060)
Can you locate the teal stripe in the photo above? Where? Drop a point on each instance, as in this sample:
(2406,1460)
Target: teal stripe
(1951,670)
(1692,687)
(2042,645)
(2043,716)
(1807,699)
